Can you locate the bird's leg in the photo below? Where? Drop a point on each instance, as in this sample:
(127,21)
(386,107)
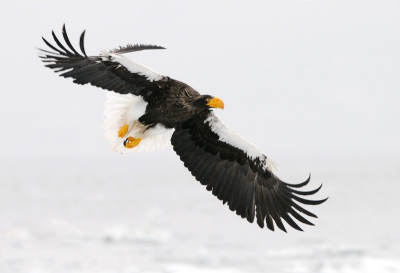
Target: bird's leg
(131,142)
(123,130)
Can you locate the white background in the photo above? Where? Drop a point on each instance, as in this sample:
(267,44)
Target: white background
(314,84)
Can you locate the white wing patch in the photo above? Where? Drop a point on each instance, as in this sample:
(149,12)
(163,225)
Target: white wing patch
(230,137)
(132,66)
(127,109)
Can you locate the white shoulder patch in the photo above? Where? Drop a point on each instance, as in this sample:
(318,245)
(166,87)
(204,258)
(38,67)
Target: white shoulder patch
(132,66)
(230,137)
(127,109)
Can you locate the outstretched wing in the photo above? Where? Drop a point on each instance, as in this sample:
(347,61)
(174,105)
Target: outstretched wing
(238,173)
(108,70)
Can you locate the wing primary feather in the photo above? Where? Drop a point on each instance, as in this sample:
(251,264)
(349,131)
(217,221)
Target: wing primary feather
(286,192)
(61,45)
(82,44)
(106,74)
(284,207)
(299,217)
(238,180)
(300,184)
(274,210)
(308,202)
(290,221)
(54,48)
(307,192)
(64,32)
(302,200)
(270,223)
(265,206)
(49,56)
(301,209)
(268,219)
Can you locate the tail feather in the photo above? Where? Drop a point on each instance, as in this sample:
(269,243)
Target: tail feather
(127,109)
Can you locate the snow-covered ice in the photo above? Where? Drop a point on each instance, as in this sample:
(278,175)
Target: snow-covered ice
(86,221)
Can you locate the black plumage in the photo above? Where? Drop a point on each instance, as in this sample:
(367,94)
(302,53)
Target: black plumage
(243,184)
(230,168)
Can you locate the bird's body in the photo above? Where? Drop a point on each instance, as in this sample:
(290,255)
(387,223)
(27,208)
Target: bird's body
(146,111)
(171,107)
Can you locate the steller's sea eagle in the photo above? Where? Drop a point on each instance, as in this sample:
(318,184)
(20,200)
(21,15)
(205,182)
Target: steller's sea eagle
(146,111)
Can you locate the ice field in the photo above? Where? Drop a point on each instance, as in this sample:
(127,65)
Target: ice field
(76,219)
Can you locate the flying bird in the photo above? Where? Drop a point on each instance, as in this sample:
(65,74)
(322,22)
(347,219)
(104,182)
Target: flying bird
(147,110)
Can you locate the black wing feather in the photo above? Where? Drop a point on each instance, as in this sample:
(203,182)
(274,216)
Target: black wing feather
(249,189)
(99,71)
(66,39)
(133,48)
(82,44)
(61,45)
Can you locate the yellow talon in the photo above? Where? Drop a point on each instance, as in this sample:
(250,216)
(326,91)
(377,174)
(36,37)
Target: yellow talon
(122,132)
(131,142)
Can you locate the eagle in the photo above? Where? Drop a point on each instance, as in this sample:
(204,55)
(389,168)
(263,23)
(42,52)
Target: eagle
(146,110)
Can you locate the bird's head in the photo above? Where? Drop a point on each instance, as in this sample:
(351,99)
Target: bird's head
(207,101)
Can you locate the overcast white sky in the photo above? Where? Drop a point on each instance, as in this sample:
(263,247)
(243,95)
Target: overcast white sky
(300,79)
(314,84)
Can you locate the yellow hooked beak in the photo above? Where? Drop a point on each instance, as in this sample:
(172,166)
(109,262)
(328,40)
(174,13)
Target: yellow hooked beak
(216,103)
